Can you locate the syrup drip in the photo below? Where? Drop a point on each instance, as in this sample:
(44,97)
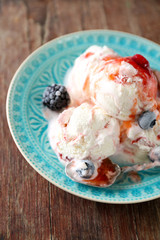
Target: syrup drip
(107,174)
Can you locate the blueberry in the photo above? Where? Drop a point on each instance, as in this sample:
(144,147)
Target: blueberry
(87,169)
(147,120)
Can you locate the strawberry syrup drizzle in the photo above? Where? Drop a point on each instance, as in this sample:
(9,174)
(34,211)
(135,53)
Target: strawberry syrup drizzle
(125,126)
(141,64)
(86,85)
(66,159)
(107,173)
(136,140)
(107,58)
(88,54)
(133,109)
(157,76)
(147,89)
(143,72)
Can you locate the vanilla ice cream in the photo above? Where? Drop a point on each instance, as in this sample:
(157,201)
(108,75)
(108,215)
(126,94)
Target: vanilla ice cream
(123,87)
(84,132)
(78,78)
(113,117)
(145,139)
(129,154)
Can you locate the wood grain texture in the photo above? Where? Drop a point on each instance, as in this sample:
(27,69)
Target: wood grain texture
(30,207)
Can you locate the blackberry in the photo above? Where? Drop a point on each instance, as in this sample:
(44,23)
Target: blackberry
(147,120)
(56,97)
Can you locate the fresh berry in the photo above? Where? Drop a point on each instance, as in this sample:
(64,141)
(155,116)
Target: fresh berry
(147,120)
(56,97)
(140,60)
(85,169)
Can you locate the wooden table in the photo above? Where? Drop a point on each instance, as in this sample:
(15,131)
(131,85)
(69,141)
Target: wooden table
(30,207)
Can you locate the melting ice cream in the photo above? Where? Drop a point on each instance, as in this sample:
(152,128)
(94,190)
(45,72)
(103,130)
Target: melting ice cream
(112,120)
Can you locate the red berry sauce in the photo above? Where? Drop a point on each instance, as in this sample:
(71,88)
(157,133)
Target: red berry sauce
(141,61)
(104,177)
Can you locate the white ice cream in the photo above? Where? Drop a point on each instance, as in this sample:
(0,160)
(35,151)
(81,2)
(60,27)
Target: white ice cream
(145,139)
(117,88)
(78,78)
(129,154)
(116,84)
(108,94)
(85,132)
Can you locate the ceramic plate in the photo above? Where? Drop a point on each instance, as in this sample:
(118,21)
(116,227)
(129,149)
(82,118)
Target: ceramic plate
(47,65)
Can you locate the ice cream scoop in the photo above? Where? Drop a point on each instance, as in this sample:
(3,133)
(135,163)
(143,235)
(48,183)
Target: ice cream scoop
(79,76)
(124,87)
(112,124)
(84,132)
(145,139)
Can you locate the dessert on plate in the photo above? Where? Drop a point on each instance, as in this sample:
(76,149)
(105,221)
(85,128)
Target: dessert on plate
(106,120)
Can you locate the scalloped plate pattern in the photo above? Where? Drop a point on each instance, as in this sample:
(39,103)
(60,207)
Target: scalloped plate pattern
(49,64)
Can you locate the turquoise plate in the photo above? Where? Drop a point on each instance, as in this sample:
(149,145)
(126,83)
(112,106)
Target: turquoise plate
(49,64)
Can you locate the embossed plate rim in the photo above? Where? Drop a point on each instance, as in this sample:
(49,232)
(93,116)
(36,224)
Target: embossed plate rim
(19,147)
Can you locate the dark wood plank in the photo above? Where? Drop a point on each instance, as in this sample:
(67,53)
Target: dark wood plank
(147,220)
(116,16)
(63,17)
(147,14)
(93,15)
(32,208)
(83,219)
(24,210)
